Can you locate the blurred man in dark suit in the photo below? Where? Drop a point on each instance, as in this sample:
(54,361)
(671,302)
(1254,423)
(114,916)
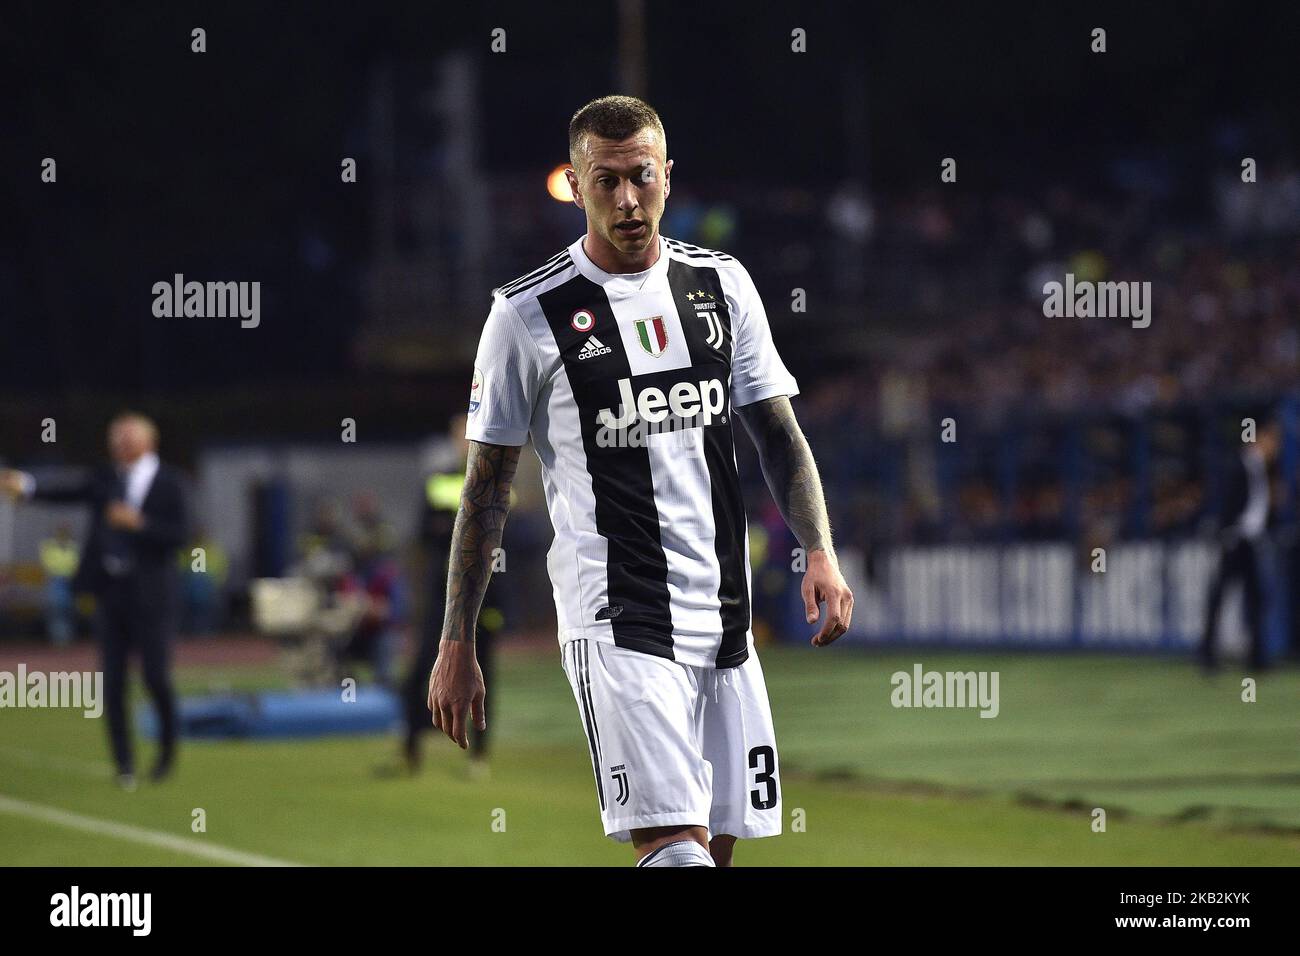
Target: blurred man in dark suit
(1242,534)
(138,521)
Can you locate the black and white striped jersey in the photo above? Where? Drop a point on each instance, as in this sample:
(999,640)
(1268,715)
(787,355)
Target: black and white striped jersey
(626,384)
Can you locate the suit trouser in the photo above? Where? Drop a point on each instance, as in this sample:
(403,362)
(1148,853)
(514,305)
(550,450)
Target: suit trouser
(1239,561)
(135,612)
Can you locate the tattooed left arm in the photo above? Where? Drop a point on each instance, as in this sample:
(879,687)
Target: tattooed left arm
(792,477)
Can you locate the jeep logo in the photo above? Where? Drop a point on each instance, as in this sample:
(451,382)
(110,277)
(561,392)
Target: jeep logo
(685,400)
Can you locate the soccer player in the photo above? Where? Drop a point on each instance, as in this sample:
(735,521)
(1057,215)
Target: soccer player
(625,357)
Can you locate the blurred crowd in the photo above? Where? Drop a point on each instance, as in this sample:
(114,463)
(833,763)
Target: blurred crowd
(1226,292)
(1082,428)
(354,563)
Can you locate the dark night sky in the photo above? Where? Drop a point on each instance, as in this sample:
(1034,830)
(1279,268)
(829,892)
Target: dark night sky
(218,164)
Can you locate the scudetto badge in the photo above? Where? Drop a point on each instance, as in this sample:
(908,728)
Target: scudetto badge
(476,391)
(652,334)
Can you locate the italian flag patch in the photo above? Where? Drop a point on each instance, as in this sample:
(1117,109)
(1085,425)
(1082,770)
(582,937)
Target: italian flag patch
(653,335)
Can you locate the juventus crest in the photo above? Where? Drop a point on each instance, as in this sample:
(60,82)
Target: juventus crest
(619,775)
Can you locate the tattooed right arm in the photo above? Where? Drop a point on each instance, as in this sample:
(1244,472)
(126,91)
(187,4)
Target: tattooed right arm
(480,520)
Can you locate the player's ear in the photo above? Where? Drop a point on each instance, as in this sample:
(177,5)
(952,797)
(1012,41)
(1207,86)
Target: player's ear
(668,178)
(574,187)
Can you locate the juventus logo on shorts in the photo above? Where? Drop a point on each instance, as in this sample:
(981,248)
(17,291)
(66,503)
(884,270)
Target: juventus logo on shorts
(619,774)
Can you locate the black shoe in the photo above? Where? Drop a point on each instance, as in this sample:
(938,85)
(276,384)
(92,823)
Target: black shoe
(411,754)
(162,769)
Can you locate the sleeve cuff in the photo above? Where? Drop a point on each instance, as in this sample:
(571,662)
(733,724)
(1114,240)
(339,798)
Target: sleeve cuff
(749,396)
(29,484)
(494,435)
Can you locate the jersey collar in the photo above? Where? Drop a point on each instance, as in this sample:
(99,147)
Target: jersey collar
(625,281)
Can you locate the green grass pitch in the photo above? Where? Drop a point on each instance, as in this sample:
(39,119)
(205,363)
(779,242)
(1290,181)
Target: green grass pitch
(1187,773)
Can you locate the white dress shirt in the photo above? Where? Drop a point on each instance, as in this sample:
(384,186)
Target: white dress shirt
(1254,518)
(139,479)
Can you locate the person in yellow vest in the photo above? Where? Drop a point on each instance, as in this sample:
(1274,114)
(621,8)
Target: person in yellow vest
(204,583)
(441,500)
(59,559)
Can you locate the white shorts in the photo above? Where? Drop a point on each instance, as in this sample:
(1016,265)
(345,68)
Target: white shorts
(674,744)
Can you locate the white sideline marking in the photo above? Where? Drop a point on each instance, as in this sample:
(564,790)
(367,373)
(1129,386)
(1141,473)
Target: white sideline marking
(125,831)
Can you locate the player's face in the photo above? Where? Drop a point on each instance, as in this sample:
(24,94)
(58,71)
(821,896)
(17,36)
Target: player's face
(622,186)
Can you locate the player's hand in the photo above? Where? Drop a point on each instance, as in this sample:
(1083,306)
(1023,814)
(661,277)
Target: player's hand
(11,483)
(456,690)
(822,582)
(122,516)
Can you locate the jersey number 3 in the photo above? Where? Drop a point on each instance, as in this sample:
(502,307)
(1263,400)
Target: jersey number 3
(763,760)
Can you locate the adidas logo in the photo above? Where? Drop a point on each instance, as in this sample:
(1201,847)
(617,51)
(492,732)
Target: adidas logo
(592,348)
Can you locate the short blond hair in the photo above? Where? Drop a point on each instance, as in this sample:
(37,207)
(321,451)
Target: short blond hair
(613,117)
(137,418)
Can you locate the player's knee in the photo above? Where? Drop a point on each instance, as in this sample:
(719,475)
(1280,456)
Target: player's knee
(683,852)
(649,843)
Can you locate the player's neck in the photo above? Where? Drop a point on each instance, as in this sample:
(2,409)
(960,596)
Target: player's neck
(608,259)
